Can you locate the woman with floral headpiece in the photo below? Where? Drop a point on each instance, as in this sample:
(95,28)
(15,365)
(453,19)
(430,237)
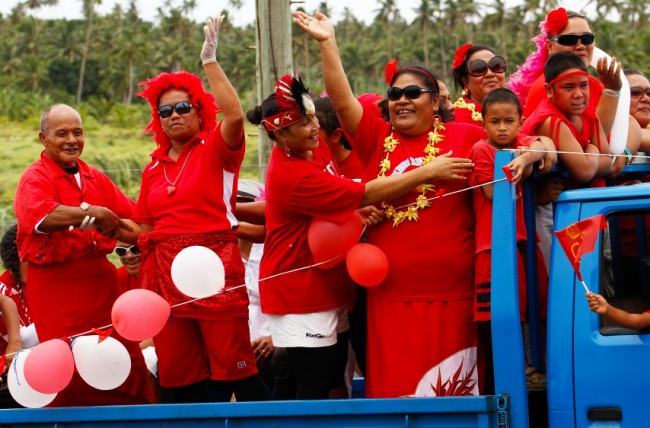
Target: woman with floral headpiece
(306,307)
(421,314)
(477,69)
(187,198)
(567,31)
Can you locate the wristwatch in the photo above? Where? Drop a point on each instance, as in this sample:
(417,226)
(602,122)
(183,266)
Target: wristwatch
(628,153)
(84,206)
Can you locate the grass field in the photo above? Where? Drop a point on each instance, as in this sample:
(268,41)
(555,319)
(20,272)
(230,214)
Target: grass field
(120,151)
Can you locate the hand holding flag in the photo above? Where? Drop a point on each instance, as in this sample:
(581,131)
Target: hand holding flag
(579,239)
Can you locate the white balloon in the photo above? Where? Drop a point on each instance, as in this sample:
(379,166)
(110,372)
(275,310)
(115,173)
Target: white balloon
(198,272)
(104,365)
(24,394)
(618,136)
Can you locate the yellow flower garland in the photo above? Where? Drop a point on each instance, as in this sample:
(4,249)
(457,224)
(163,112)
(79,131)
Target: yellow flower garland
(476,116)
(421,202)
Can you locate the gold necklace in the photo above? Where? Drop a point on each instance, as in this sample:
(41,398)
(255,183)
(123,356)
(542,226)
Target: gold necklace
(421,202)
(476,116)
(171,189)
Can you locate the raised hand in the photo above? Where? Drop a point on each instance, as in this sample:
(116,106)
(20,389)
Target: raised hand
(610,73)
(318,26)
(211,30)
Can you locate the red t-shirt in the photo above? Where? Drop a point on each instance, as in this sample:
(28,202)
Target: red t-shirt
(350,167)
(126,281)
(8,288)
(432,258)
(537,93)
(464,115)
(297,191)
(482,154)
(43,186)
(205,196)
(547,109)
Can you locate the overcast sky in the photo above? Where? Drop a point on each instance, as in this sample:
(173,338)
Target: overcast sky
(363,9)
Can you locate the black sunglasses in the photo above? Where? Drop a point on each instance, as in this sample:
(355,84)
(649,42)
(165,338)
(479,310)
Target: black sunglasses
(122,251)
(572,39)
(479,68)
(637,92)
(412,92)
(182,107)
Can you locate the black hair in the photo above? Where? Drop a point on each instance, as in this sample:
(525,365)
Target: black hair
(268,108)
(460,73)
(429,79)
(500,96)
(328,119)
(633,71)
(560,62)
(9,254)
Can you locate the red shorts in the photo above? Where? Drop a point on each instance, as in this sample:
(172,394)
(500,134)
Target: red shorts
(190,350)
(483,282)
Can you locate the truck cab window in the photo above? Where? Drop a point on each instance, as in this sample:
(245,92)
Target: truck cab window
(625,266)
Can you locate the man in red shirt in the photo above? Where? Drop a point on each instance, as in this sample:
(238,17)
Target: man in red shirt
(61,205)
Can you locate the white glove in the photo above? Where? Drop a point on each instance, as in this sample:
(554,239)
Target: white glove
(211,30)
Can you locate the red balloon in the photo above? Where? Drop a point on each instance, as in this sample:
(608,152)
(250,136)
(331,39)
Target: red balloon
(327,239)
(49,366)
(367,264)
(139,314)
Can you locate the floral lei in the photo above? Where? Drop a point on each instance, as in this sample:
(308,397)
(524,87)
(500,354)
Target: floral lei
(421,202)
(461,103)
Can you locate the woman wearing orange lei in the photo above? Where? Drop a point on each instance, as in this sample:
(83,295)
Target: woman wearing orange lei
(421,314)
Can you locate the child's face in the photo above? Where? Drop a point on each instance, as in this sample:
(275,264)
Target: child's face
(502,122)
(570,95)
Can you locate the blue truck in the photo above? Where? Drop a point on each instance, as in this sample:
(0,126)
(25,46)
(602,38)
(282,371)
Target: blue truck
(596,372)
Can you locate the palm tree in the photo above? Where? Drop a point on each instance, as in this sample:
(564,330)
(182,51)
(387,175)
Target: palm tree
(424,19)
(89,14)
(386,14)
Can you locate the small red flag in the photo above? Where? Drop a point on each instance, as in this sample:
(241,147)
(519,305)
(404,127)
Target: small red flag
(102,334)
(579,239)
(508,173)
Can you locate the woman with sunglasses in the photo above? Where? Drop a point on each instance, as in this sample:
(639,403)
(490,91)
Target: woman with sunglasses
(568,31)
(306,308)
(477,69)
(640,104)
(421,314)
(187,198)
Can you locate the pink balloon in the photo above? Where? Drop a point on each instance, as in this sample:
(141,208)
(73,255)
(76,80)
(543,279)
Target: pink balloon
(367,264)
(139,314)
(327,239)
(49,366)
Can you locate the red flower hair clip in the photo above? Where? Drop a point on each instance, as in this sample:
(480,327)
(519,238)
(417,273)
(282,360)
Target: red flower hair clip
(556,20)
(460,55)
(390,71)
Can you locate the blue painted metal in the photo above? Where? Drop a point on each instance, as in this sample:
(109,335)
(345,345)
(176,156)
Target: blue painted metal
(407,412)
(507,344)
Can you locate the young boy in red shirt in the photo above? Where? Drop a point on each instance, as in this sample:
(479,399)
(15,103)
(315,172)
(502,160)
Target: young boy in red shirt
(502,121)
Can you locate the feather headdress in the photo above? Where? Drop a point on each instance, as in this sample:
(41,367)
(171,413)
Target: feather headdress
(294,103)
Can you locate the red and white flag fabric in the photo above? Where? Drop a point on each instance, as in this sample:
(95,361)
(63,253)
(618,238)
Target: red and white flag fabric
(579,239)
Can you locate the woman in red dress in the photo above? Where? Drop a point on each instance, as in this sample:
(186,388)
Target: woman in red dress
(420,317)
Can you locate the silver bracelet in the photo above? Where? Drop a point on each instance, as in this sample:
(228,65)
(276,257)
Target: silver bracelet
(611,93)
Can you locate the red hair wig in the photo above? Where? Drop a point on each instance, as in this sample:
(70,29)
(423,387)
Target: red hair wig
(192,84)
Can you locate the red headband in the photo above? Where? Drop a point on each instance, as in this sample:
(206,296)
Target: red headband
(556,20)
(461,53)
(568,74)
(282,120)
